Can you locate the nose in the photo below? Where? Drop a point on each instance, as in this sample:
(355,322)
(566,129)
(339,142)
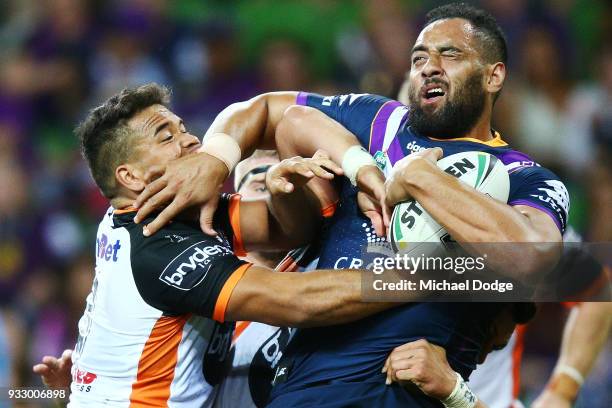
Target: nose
(189,141)
(432,67)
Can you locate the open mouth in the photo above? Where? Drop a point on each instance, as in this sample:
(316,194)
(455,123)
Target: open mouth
(433,93)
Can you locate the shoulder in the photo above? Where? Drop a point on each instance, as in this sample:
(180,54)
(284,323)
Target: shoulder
(534,185)
(180,269)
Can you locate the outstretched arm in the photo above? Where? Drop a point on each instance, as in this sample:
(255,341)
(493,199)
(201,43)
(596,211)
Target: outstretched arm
(294,299)
(196,180)
(586,331)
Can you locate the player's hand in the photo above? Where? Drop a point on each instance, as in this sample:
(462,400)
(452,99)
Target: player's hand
(424,365)
(550,399)
(193,180)
(55,372)
(395,188)
(371,208)
(372,197)
(295,172)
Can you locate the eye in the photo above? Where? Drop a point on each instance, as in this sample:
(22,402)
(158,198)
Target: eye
(450,54)
(418,59)
(166,137)
(183,129)
(259,187)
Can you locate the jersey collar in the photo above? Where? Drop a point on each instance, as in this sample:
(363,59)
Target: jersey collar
(497,141)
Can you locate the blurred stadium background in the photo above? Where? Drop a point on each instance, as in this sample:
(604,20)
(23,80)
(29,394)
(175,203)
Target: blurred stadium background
(60,57)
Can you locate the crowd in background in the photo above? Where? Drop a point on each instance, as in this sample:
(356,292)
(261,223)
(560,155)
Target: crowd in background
(62,57)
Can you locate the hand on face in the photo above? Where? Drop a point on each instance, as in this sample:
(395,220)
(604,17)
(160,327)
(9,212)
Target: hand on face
(422,364)
(192,180)
(289,174)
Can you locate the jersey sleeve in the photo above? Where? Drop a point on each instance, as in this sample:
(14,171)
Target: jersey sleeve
(364,115)
(227,221)
(182,270)
(540,188)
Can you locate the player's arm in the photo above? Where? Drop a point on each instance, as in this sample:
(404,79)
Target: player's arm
(197,179)
(317,298)
(292,215)
(199,274)
(422,364)
(471,217)
(303,130)
(244,126)
(585,334)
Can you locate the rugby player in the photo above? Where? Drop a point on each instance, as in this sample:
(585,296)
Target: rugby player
(458,69)
(257,347)
(156,327)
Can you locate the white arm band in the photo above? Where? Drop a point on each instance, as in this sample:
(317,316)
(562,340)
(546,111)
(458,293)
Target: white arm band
(355,158)
(224,148)
(571,372)
(461,397)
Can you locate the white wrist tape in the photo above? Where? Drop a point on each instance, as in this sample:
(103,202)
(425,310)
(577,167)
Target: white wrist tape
(461,397)
(355,158)
(571,372)
(224,148)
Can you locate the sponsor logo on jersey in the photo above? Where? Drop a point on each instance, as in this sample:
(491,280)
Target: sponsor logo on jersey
(83,377)
(262,371)
(214,366)
(105,250)
(191,266)
(381,160)
(413,147)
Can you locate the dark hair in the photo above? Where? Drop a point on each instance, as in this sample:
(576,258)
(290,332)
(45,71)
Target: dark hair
(492,38)
(104,134)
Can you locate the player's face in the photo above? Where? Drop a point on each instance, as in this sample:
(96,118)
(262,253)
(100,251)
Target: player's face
(252,183)
(163,137)
(445,85)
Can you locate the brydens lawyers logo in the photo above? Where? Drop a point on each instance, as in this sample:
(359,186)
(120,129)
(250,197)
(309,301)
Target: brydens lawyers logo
(190,267)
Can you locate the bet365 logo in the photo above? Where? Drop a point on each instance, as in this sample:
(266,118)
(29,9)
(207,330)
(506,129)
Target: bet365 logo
(106,250)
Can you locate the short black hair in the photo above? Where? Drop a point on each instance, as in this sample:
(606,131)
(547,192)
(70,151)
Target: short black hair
(105,135)
(492,38)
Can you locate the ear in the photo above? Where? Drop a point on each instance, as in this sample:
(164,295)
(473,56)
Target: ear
(130,177)
(496,77)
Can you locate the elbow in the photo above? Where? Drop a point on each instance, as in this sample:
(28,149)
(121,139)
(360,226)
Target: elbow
(294,120)
(293,135)
(538,258)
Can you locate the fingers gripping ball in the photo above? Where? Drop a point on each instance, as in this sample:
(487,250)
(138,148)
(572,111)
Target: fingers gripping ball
(411,224)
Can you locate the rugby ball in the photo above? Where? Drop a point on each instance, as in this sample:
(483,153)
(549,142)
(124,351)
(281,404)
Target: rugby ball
(411,224)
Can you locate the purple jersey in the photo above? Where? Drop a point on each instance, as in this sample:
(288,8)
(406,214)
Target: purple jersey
(340,365)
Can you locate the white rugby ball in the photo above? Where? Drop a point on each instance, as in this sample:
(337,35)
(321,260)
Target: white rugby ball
(411,224)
